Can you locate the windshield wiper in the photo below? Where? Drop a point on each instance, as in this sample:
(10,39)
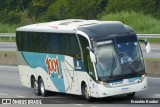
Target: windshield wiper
(113,64)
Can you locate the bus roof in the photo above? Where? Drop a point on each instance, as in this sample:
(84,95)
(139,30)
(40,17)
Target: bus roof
(90,27)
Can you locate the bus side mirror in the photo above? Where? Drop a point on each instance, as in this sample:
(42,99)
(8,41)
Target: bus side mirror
(147,45)
(92,55)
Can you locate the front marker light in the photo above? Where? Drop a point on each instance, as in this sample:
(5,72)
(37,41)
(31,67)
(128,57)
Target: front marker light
(101,82)
(104,83)
(141,79)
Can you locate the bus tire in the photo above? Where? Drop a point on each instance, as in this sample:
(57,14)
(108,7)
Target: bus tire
(43,91)
(85,93)
(36,88)
(131,94)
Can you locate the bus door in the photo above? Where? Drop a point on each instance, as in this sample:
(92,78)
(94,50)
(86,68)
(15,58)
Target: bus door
(88,66)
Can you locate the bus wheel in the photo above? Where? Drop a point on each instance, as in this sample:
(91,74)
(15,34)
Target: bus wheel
(36,88)
(131,94)
(43,91)
(86,94)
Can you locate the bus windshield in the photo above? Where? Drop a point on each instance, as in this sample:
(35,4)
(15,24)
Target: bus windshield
(118,57)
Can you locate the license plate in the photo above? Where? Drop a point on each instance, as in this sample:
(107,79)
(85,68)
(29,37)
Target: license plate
(125,89)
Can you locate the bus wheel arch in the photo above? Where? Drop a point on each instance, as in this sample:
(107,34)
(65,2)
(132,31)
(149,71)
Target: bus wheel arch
(83,83)
(32,80)
(131,94)
(84,91)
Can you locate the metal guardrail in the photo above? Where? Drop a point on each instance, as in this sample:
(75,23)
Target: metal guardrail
(148,35)
(139,35)
(7,35)
(10,35)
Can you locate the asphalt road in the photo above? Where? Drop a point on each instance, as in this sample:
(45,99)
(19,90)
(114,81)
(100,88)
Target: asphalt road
(155,51)
(8,46)
(10,87)
(155,48)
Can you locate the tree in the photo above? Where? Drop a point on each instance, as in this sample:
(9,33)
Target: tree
(38,7)
(82,9)
(144,6)
(10,10)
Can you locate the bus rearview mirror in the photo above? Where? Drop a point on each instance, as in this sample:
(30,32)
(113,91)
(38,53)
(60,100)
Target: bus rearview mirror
(92,56)
(148,47)
(89,49)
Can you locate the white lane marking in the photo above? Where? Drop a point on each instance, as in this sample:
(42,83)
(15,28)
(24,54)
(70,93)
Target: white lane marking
(157,95)
(19,96)
(153,96)
(79,104)
(12,95)
(3,94)
(58,101)
(152,78)
(15,67)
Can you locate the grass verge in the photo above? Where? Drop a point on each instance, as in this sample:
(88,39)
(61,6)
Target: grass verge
(143,24)
(7,52)
(153,40)
(7,39)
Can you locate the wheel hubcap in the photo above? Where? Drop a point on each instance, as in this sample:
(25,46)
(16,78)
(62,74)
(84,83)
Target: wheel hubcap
(42,88)
(86,93)
(35,87)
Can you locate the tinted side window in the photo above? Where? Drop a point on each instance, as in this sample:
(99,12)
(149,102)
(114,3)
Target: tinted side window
(56,43)
(75,48)
(19,40)
(53,43)
(25,41)
(84,44)
(64,44)
(69,45)
(32,43)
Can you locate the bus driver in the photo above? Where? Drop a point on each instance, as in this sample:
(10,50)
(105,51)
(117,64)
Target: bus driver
(125,59)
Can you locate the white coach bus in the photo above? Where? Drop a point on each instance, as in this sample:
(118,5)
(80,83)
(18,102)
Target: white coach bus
(91,58)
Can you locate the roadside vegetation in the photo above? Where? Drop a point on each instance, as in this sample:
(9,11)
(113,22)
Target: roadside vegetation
(7,39)
(153,40)
(6,28)
(142,15)
(142,24)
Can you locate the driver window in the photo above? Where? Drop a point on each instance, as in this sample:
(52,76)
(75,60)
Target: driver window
(86,57)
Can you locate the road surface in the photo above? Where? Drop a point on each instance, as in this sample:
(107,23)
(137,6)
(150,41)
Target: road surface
(8,46)
(10,87)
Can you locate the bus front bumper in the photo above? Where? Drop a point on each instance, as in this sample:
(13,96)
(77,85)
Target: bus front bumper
(108,91)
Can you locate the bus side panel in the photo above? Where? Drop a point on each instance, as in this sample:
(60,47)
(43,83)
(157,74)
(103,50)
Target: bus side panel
(57,71)
(70,76)
(93,86)
(25,75)
(24,70)
(46,79)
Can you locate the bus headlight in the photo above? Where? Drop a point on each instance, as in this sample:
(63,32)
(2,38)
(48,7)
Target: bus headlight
(141,79)
(104,83)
